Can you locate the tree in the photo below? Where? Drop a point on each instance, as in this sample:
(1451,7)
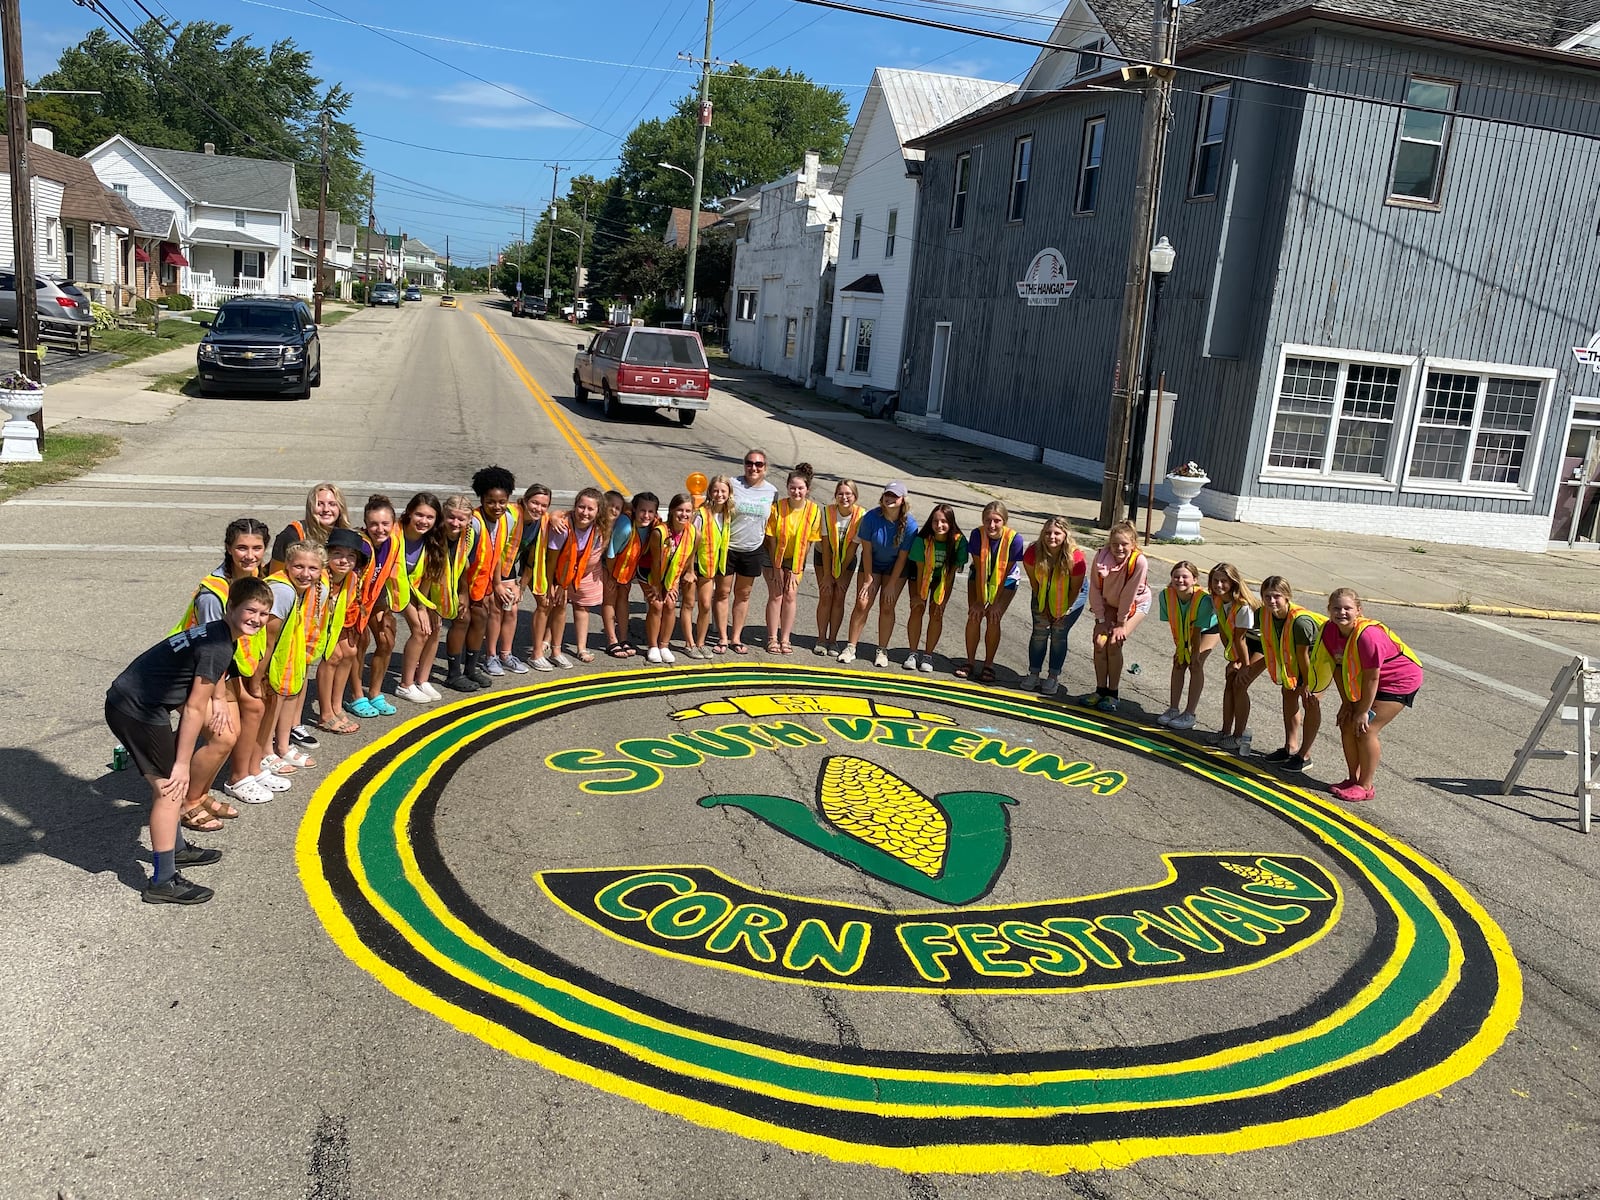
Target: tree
(187,85)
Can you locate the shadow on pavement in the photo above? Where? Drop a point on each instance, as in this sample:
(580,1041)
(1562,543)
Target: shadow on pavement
(1537,806)
(91,824)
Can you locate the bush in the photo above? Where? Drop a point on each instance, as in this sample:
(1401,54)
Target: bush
(144,309)
(104,318)
(178,302)
(358,292)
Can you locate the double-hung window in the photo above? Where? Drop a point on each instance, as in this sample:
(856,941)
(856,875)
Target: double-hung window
(1336,417)
(1087,199)
(746,310)
(1421,142)
(238,218)
(1476,429)
(963,181)
(855,241)
(844,343)
(863,359)
(1210,140)
(888,237)
(1021,168)
(790,335)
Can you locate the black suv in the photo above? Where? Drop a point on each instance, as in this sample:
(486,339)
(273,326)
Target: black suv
(260,345)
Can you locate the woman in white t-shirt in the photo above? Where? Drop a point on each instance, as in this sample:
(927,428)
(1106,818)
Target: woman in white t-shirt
(748,559)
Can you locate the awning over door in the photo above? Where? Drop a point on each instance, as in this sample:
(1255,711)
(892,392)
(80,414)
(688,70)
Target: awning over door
(140,254)
(171,256)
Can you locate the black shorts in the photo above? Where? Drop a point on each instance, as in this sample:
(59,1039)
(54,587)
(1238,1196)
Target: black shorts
(153,748)
(820,567)
(1408,699)
(748,564)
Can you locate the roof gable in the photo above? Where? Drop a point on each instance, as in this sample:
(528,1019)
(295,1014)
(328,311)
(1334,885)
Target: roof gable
(83,197)
(914,102)
(1539,24)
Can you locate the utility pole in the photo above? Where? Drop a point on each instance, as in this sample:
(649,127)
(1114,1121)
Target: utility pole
(699,169)
(550,241)
(1157,86)
(372,219)
(322,221)
(577,275)
(21,198)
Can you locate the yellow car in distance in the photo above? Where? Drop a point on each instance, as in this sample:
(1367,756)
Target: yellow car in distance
(448,301)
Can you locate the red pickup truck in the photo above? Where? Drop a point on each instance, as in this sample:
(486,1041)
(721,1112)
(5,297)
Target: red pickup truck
(637,366)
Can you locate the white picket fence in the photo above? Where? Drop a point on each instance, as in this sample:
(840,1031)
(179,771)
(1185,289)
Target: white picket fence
(207,293)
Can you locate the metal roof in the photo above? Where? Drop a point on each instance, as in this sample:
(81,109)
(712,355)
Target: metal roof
(917,101)
(227,180)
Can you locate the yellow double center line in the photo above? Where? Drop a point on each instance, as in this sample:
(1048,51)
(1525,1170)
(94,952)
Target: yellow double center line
(587,454)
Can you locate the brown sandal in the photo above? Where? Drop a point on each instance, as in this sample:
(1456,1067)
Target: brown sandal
(200,819)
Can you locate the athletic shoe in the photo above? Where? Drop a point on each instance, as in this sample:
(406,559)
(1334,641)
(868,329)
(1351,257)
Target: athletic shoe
(1182,721)
(926,665)
(653,655)
(848,654)
(1297,763)
(1280,755)
(249,790)
(301,736)
(196,856)
(1167,717)
(513,664)
(1029,681)
(666,655)
(415,695)
(911,661)
(1228,741)
(540,664)
(1050,686)
(385,709)
(491,666)
(561,660)
(433,692)
(273,783)
(460,683)
(882,660)
(821,648)
(176,890)
(1106,704)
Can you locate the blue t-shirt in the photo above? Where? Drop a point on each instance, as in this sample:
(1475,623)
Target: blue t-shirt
(878,531)
(621,531)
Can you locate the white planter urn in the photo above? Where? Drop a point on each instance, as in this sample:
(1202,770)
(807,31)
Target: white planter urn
(1181,521)
(20,434)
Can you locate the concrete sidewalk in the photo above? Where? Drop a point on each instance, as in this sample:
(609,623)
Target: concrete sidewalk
(1560,584)
(117,395)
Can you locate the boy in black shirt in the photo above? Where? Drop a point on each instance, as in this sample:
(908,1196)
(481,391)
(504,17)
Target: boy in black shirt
(183,674)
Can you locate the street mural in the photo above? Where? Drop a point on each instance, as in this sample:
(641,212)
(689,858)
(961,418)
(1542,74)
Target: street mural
(1428,993)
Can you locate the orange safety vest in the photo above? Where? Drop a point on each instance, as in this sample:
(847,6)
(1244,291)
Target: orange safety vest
(792,528)
(1181,618)
(334,612)
(925,568)
(1054,589)
(247,651)
(448,598)
(286,670)
(841,548)
(1349,674)
(572,561)
(1277,643)
(1098,581)
(670,557)
(710,544)
(377,580)
(993,562)
(1225,620)
(625,563)
(495,546)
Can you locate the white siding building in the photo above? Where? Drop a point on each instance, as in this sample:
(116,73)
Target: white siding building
(877,183)
(787,242)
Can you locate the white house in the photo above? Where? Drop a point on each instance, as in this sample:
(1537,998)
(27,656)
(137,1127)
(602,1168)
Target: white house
(420,263)
(786,243)
(232,218)
(877,185)
(339,253)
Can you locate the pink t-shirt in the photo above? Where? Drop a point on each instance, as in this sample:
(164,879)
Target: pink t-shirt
(1397,674)
(1118,590)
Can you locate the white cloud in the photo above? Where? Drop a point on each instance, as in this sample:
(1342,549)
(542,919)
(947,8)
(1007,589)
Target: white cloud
(487,106)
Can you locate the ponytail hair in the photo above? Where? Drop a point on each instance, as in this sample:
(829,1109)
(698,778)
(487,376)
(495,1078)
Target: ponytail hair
(377,502)
(1276,585)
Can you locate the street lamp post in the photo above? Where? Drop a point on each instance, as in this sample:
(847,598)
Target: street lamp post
(694,221)
(1162,257)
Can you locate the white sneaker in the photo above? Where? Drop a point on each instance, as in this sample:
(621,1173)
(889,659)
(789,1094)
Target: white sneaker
(433,692)
(1029,681)
(415,695)
(513,664)
(561,660)
(248,790)
(1050,686)
(1166,717)
(926,665)
(540,664)
(666,655)
(821,649)
(653,655)
(882,660)
(1182,721)
(848,654)
(911,661)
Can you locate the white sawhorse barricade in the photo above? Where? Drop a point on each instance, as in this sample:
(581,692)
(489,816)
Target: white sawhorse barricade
(1579,680)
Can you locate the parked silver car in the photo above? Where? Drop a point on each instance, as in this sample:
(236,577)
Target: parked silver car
(63,309)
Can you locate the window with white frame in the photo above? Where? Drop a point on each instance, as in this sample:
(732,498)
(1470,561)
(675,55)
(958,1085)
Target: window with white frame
(855,241)
(1087,198)
(888,237)
(1476,429)
(120,189)
(1421,141)
(1089,57)
(746,309)
(1210,138)
(95,234)
(1021,168)
(791,329)
(1335,418)
(844,343)
(863,359)
(52,233)
(958,202)
(238,218)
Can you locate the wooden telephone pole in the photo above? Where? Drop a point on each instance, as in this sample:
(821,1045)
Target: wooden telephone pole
(322,222)
(21,198)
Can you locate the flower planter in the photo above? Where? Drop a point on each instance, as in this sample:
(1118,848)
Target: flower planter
(1182,519)
(20,434)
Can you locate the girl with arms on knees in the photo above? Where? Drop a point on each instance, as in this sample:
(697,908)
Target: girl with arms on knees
(836,563)
(425,567)
(886,532)
(1235,610)
(338,653)
(632,536)
(937,554)
(713,584)
(995,551)
(669,568)
(1192,619)
(455,590)
(1058,575)
(576,574)
(1119,597)
(1291,640)
(792,527)
(1379,677)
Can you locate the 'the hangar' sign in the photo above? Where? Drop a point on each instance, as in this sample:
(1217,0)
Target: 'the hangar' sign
(1045,283)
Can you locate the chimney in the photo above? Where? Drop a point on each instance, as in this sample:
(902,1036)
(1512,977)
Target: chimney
(808,174)
(210,148)
(44,137)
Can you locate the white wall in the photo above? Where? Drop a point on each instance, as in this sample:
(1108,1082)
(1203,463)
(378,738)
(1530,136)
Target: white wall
(46,208)
(789,245)
(114,164)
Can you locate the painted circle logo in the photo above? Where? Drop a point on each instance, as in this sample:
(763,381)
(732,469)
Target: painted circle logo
(843,975)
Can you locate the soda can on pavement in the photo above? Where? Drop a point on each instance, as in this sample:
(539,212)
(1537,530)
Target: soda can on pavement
(119,758)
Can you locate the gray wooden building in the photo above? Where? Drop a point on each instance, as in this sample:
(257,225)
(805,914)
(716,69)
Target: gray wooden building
(1372,319)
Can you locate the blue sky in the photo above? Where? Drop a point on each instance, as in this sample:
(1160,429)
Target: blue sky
(533,51)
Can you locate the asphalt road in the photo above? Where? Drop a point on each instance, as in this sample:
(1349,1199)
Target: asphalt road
(434,1000)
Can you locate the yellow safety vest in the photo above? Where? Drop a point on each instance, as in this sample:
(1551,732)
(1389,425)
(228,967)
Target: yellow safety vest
(247,651)
(286,671)
(1180,619)
(1349,676)
(1277,643)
